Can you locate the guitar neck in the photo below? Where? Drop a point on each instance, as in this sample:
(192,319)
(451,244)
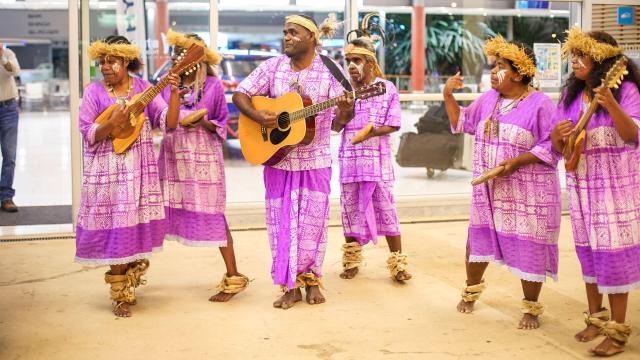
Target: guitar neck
(315,108)
(584,119)
(148,95)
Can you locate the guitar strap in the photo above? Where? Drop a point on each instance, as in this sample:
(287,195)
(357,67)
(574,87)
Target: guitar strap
(335,71)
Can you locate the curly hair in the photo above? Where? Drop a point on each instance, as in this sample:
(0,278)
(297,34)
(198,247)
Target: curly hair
(573,86)
(134,65)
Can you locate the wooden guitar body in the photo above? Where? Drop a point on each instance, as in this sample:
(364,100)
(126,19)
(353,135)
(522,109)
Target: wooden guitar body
(123,138)
(269,146)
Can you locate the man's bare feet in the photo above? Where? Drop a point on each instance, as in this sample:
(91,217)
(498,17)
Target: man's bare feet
(607,347)
(314,296)
(528,322)
(288,299)
(402,276)
(589,333)
(465,307)
(349,273)
(121,309)
(221,297)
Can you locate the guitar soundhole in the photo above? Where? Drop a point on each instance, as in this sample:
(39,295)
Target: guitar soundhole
(283,121)
(277,136)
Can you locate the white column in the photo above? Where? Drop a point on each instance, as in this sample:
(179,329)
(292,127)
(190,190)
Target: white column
(350,15)
(74,105)
(213,24)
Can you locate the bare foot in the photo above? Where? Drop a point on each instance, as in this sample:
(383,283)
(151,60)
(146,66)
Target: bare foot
(607,348)
(314,296)
(529,322)
(221,297)
(289,299)
(349,273)
(122,310)
(589,333)
(402,276)
(465,307)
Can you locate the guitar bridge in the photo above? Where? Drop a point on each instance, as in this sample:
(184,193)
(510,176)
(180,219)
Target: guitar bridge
(263,130)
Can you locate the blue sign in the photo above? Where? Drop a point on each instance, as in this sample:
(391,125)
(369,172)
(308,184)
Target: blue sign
(528,4)
(625,15)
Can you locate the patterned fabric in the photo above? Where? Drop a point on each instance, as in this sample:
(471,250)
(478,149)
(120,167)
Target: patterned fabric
(121,216)
(191,167)
(369,211)
(274,78)
(604,197)
(370,160)
(366,170)
(297,218)
(516,219)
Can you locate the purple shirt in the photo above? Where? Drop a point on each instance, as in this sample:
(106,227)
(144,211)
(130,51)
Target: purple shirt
(371,159)
(274,78)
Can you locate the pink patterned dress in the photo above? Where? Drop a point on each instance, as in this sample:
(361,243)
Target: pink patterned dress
(514,220)
(121,217)
(366,170)
(604,198)
(298,187)
(192,172)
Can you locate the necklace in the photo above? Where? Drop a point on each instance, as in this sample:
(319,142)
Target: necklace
(502,110)
(120,99)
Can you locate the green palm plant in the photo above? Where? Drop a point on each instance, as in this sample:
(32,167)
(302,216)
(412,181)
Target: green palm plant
(456,44)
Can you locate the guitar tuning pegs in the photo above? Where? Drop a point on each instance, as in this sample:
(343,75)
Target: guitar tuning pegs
(615,86)
(626,72)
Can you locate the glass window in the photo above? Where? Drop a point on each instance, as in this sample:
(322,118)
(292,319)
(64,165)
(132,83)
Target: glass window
(37,33)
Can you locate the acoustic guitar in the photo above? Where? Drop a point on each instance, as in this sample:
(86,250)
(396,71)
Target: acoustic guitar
(296,124)
(123,138)
(574,146)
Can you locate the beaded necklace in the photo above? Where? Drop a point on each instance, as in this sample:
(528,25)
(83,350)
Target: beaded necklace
(502,110)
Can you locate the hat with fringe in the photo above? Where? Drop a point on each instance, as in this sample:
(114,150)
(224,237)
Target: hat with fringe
(175,38)
(99,49)
(579,40)
(498,46)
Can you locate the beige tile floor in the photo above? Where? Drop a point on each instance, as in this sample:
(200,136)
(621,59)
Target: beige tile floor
(51,308)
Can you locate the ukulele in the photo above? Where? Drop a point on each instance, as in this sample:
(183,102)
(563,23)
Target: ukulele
(296,124)
(574,146)
(123,138)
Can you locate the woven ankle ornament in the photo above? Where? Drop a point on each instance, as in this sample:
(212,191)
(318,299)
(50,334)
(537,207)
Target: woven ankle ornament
(397,263)
(351,255)
(473,292)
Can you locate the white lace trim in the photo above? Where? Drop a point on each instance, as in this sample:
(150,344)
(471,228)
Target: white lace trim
(117,261)
(621,289)
(519,273)
(196,243)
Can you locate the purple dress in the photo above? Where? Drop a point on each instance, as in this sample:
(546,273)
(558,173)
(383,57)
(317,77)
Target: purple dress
(604,198)
(298,187)
(121,216)
(191,168)
(366,171)
(514,220)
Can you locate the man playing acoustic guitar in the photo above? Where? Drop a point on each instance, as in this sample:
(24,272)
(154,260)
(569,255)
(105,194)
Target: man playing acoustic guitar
(297,187)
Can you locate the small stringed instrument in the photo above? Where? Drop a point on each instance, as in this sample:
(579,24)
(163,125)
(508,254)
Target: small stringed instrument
(123,138)
(296,124)
(574,146)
